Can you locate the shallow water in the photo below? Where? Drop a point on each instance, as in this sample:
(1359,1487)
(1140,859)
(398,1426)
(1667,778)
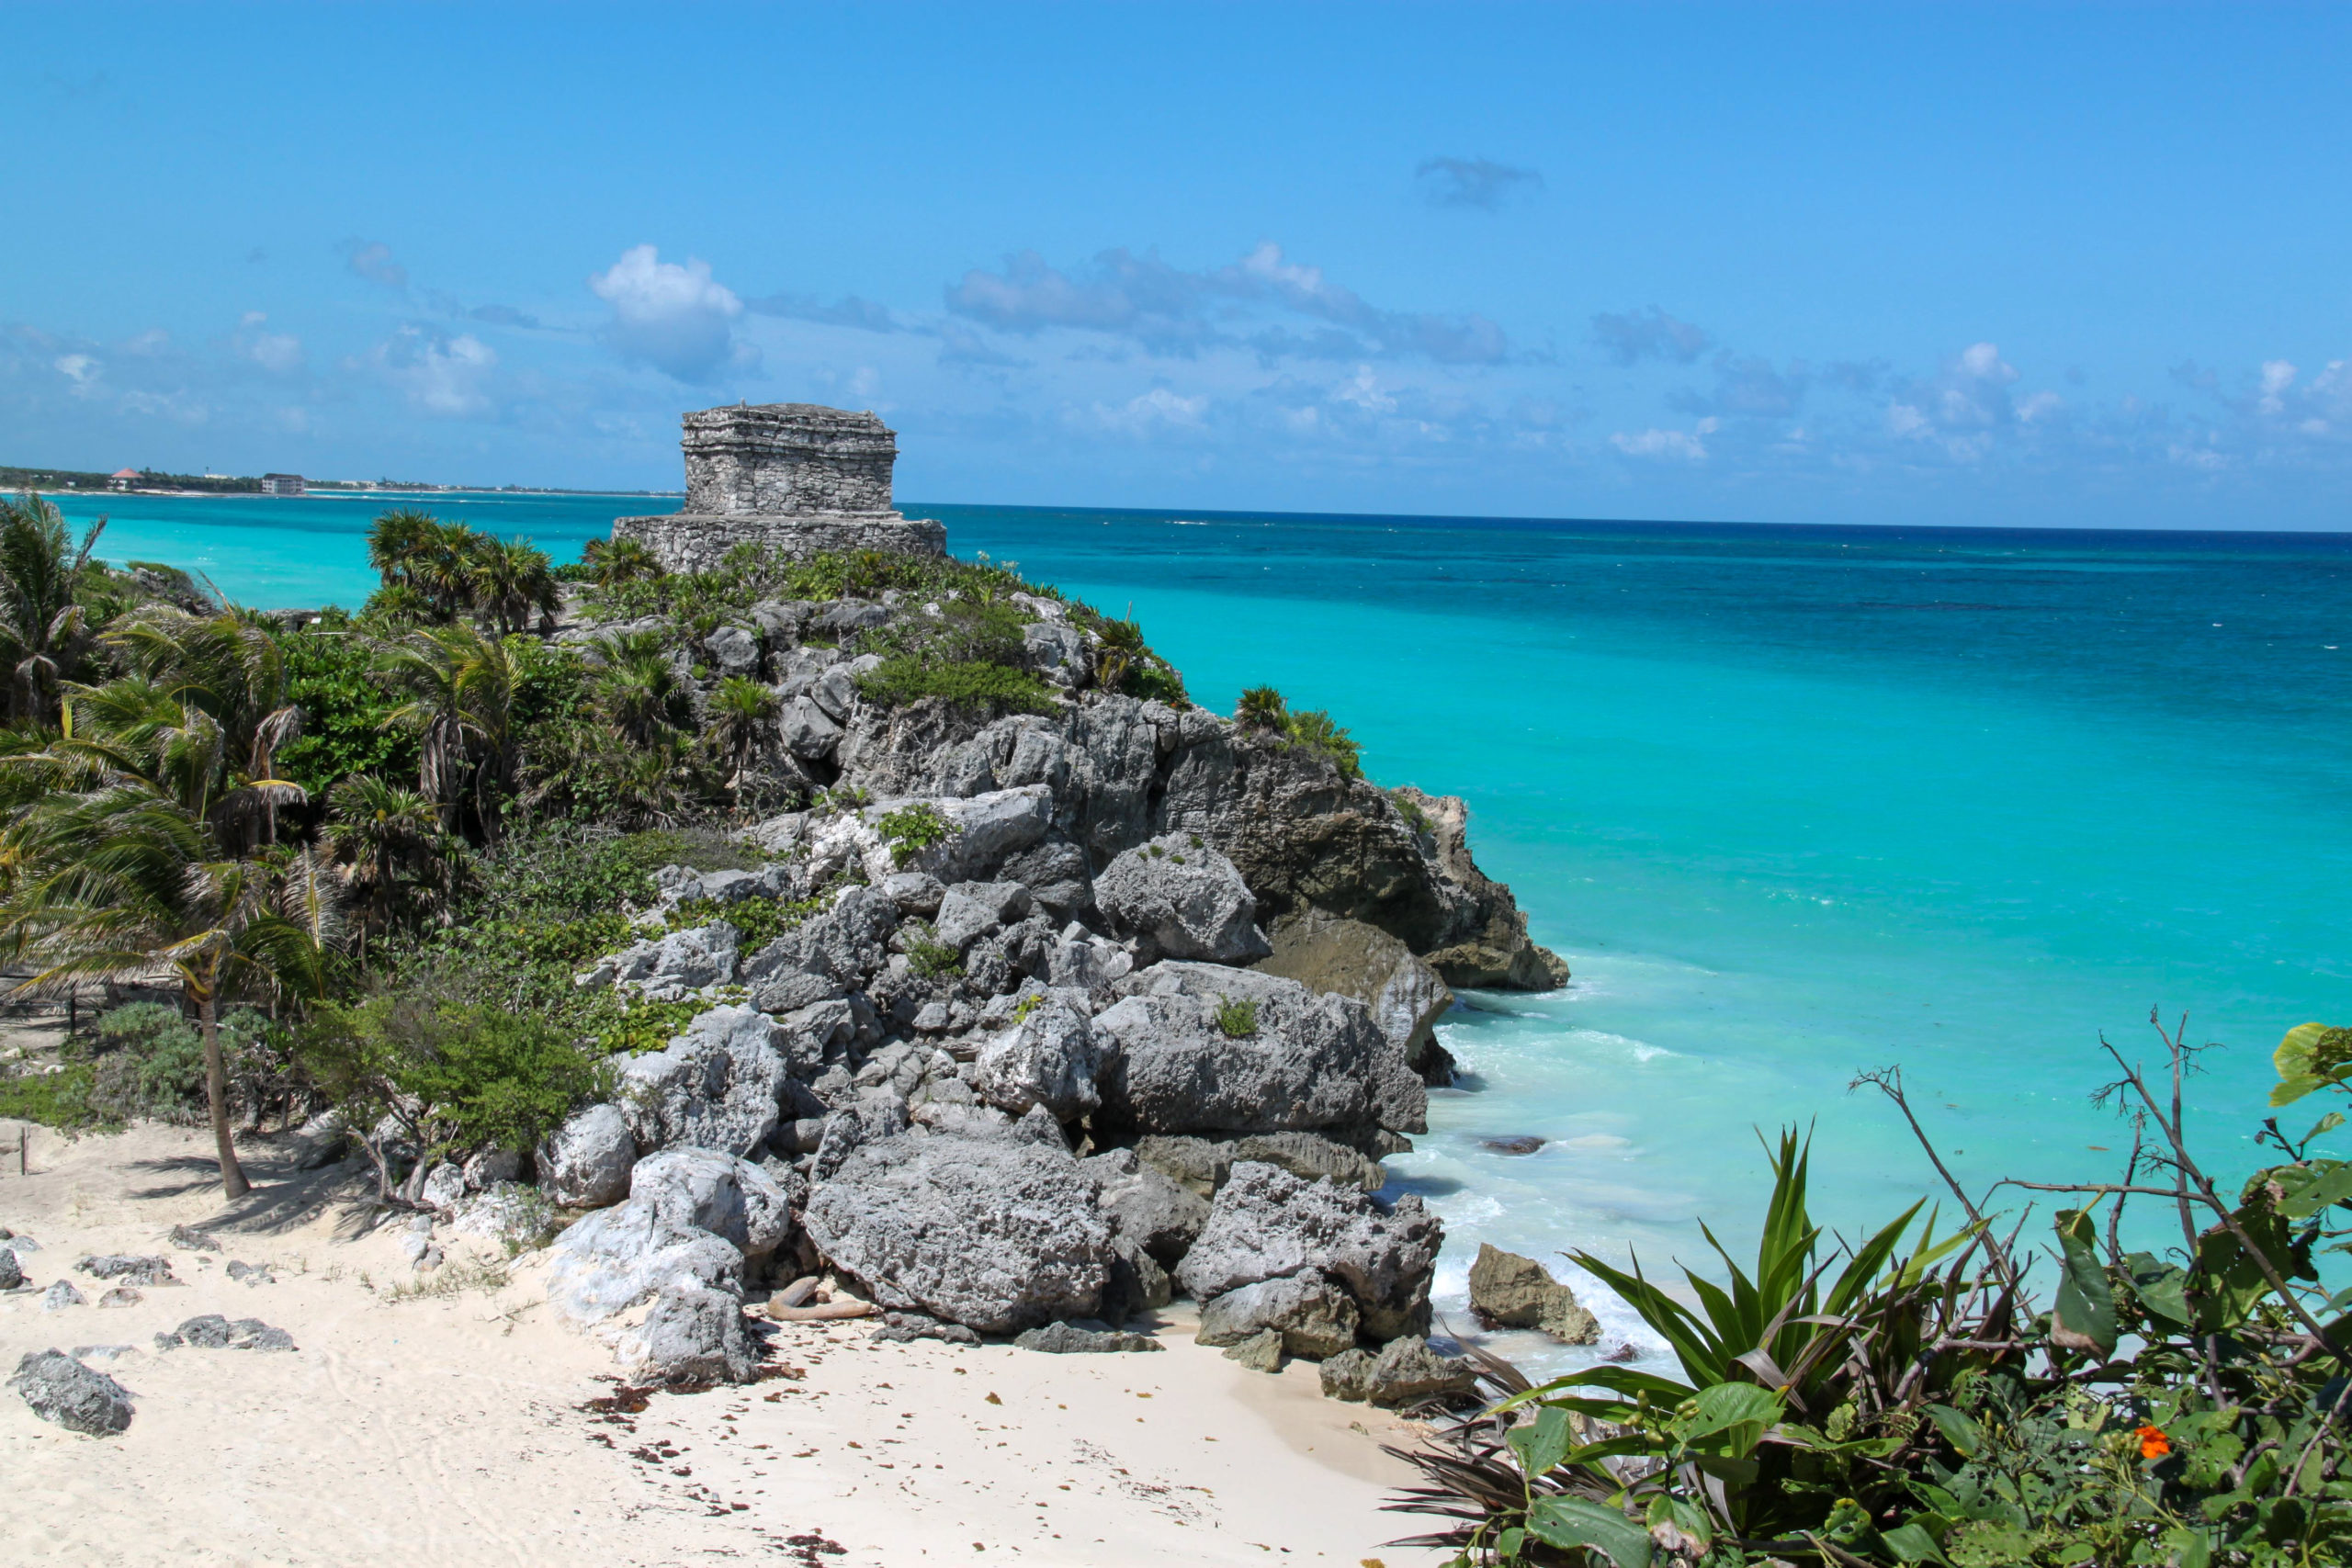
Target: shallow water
(1792,802)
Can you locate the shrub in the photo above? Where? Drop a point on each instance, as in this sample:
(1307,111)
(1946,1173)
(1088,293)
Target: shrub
(637,1026)
(1311,729)
(913,828)
(1237,1017)
(59,1100)
(150,1064)
(757,922)
(993,688)
(1903,1399)
(1261,707)
(932,960)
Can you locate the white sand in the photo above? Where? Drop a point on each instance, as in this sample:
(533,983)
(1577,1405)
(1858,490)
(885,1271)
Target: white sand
(448,1427)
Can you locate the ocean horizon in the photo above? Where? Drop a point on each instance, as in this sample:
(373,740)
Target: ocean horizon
(1794,801)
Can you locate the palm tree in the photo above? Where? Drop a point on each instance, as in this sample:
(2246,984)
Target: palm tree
(123,882)
(433,559)
(1261,707)
(639,687)
(225,675)
(739,709)
(42,625)
(510,580)
(621,561)
(461,696)
(391,848)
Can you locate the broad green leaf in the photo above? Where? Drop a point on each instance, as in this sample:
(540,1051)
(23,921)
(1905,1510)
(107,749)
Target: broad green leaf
(1959,1431)
(2163,1288)
(1908,1543)
(2327,1124)
(2082,1318)
(2294,1057)
(1572,1521)
(2288,1090)
(1544,1444)
(1684,1516)
(2190,1548)
(1737,1413)
(2325,1183)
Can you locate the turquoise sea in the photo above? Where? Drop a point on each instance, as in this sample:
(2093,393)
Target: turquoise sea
(1792,801)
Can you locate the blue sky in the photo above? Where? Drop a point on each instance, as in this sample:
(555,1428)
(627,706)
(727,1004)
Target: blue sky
(2064,265)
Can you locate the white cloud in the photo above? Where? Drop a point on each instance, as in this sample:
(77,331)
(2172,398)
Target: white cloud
(1154,412)
(1675,445)
(439,374)
(2278,375)
(280,353)
(79,369)
(1362,389)
(680,319)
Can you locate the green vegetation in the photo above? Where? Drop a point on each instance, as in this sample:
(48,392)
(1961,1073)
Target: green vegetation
(1237,1017)
(1904,1397)
(913,828)
(932,960)
(1262,711)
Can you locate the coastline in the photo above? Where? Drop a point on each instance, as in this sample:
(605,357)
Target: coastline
(446,1424)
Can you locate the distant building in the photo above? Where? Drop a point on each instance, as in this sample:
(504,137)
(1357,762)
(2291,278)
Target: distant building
(123,479)
(281,484)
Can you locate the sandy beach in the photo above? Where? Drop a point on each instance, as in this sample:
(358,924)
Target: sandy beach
(445,1418)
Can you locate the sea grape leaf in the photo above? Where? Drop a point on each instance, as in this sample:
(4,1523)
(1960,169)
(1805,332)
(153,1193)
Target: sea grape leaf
(1736,1413)
(1543,1443)
(1958,1431)
(2327,1124)
(2163,1288)
(1912,1543)
(2082,1318)
(2322,1184)
(1572,1521)
(2311,1057)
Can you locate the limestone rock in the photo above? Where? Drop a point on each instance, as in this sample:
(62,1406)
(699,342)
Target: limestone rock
(1350,958)
(61,1390)
(1267,1223)
(1057,652)
(905,1327)
(671,967)
(443,1186)
(1048,1058)
(1261,1351)
(704,1190)
(584,1164)
(693,1334)
(12,1274)
(1311,1315)
(1184,900)
(60,1295)
(1076,1340)
(510,1215)
(1310,1062)
(1512,1292)
(997,1235)
(1146,1207)
(190,1239)
(130,1270)
(616,1257)
(734,649)
(831,954)
(714,1087)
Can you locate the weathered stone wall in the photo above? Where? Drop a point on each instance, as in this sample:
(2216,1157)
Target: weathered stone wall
(796,478)
(698,541)
(787,457)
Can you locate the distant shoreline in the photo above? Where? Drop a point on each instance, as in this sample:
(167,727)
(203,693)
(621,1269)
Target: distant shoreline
(339,491)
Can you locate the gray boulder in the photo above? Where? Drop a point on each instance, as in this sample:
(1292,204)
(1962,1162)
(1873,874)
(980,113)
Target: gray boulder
(693,1334)
(61,1390)
(986,830)
(1351,958)
(1048,1058)
(735,650)
(443,1186)
(1305,1062)
(1261,1351)
(707,1190)
(671,967)
(62,1294)
(1055,652)
(1405,1372)
(913,892)
(831,954)
(616,1257)
(806,731)
(971,910)
(1267,1223)
(513,1216)
(1315,1317)
(714,1087)
(213,1332)
(12,1274)
(999,1235)
(1512,1292)
(584,1164)
(1201,1164)
(1184,900)
(188,1239)
(1146,1207)
(1076,1340)
(130,1270)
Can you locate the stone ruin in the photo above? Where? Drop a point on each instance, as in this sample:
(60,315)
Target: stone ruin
(794,478)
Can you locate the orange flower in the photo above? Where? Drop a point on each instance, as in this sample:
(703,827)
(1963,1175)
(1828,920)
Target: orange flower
(2154,1444)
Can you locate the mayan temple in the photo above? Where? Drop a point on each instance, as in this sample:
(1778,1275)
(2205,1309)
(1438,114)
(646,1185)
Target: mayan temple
(794,478)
